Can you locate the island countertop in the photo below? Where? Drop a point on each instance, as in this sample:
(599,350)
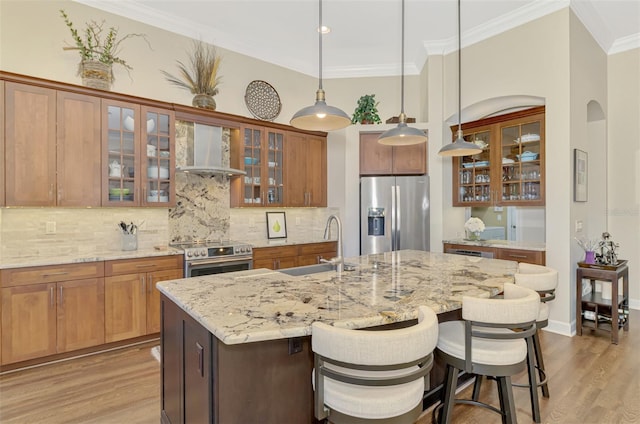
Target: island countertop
(261,304)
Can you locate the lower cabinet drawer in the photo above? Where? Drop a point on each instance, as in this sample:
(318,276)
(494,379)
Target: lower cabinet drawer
(536,257)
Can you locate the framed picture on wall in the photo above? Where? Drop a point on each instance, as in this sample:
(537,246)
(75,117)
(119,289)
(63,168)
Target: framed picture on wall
(580,175)
(276,225)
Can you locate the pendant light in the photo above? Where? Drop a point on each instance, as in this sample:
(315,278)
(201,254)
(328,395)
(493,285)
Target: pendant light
(320,116)
(403,134)
(460,147)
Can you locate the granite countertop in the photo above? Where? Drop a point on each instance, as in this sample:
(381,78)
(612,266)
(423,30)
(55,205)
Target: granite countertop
(500,244)
(22,260)
(260,304)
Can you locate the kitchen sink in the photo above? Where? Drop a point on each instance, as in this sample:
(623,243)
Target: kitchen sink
(309,269)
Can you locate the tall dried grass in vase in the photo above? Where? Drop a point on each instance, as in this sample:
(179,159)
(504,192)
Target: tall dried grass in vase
(200,76)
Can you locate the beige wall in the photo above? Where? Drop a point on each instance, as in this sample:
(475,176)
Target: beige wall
(623,161)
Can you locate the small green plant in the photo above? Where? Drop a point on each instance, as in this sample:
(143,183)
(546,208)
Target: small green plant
(97,43)
(366,111)
(201,77)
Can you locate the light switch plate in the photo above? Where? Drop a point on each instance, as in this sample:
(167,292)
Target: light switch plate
(578,226)
(50,227)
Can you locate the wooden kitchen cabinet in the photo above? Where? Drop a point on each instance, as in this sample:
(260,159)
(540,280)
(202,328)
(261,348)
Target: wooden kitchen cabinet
(281,257)
(306,171)
(51,309)
(521,255)
(30,120)
(58,132)
(312,253)
(510,170)
(381,159)
(2,144)
(536,257)
(138,159)
(131,299)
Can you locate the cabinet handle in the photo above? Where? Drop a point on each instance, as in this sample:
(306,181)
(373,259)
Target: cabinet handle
(310,194)
(200,351)
(54,274)
(60,300)
(145,266)
(51,301)
(318,257)
(511,255)
(51,191)
(59,194)
(150,284)
(144,285)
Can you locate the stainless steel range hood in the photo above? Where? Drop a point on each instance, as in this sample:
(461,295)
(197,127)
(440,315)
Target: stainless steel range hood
(204,153)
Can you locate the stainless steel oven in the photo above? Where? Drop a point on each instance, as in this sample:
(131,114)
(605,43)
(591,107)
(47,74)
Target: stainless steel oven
(215,257)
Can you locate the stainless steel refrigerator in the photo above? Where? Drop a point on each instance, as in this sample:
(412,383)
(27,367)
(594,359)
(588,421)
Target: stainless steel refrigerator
(394,213)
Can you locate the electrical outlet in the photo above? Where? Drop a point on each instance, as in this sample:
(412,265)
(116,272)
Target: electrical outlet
(50,228)
(499,217)
(298,220)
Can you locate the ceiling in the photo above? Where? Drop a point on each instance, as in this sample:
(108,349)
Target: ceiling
(365,35)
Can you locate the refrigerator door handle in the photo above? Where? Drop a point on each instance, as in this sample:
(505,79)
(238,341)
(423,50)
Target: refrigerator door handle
(398,219)
(393,217)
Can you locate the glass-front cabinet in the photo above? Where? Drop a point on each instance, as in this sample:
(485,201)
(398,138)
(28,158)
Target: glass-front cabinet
(263,156)
(140,164)
(510,168)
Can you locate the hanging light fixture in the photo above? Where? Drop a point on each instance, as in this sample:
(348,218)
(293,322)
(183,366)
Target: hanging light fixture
(460,147)
(320,116)
(403,134)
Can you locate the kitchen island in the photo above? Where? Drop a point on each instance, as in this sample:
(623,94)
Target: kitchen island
(236,347)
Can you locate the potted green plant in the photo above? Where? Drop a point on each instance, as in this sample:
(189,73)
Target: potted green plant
(201,77)
(366,111)
(99,50)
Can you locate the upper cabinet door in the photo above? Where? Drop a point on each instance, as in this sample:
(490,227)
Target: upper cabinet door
(79,178)
(121,153)
(30,150)
(474,172)
(381,159)
(158,173)
(2,144)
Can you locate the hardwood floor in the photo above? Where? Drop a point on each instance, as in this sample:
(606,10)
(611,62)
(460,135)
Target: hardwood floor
(591,382)
(120,386)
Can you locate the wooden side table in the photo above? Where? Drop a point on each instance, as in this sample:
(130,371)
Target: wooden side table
(594,312)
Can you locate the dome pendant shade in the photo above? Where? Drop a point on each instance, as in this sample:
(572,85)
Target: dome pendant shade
(402,135)
(460,147)
(320,116)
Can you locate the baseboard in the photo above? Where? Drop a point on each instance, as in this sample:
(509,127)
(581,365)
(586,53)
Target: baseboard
(562,328)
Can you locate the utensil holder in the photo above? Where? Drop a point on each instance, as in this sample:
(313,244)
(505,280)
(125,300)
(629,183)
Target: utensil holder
(129,242)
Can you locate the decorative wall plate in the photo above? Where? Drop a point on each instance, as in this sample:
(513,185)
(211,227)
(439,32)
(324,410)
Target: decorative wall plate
(262,100)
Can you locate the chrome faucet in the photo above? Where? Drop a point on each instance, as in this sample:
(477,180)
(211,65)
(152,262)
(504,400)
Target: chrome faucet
(339,260)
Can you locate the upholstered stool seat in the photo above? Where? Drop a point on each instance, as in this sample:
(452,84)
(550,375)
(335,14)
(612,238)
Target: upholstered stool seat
(362,375)
(485,344)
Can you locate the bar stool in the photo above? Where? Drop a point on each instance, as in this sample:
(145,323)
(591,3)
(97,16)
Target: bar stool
(372,376)
(484,343)
(544,281)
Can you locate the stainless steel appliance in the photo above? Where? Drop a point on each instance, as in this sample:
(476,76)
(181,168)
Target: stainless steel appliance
(207,257)
(470,251)
(394,213)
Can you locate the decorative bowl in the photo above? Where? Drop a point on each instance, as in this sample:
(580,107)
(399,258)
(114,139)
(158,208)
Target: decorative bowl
(155,172)
(119,191)
(527,156)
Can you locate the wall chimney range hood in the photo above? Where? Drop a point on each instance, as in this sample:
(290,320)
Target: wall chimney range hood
(204,153)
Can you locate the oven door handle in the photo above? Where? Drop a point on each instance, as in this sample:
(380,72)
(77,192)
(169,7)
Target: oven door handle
(217,261)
